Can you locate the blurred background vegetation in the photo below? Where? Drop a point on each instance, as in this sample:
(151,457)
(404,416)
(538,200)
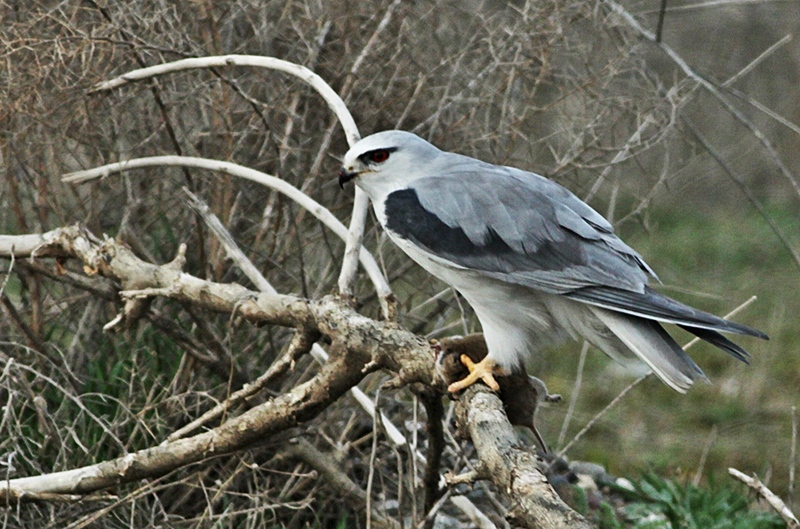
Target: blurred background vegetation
(702,182)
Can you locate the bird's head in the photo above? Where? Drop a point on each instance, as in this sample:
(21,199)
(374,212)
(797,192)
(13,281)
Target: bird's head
(386,161)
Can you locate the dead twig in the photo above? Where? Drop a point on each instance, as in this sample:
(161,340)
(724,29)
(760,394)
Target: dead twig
(774,501)
(347,489)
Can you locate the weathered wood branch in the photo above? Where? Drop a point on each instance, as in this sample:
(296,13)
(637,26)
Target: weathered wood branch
(285,411)
(303,200)
(512,467)
(359,344)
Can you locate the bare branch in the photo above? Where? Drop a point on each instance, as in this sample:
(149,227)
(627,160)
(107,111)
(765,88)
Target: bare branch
(358,342)
(233,252)
(512,467)
(758,60)
(32,245)
(751,197)
(299,345)
(314,207)
(263,285)
(315,81)
(356,231)
(296,406)
(349,491)
(353,334)
(710,87)
(774,501)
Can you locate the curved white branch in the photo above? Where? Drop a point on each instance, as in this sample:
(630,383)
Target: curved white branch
(360,205)
(313,207)
(315,81)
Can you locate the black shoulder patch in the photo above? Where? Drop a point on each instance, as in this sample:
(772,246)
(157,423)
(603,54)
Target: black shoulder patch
(407,218)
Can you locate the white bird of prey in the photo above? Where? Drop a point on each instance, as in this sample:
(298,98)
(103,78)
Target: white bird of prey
(534,261)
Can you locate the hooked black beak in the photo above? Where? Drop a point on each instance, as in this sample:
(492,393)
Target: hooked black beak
(345,176)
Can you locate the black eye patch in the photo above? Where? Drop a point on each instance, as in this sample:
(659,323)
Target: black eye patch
(377,156)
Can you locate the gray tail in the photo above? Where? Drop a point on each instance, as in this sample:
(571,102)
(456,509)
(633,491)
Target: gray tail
(655,306)
(655,347)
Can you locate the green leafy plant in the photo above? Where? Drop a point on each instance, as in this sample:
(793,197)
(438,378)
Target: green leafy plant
(659,502)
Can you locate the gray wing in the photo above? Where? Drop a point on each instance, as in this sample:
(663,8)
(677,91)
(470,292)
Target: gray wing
(515,226)
(523,229)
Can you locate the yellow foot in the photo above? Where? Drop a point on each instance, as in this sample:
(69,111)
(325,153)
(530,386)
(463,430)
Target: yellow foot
(483,370)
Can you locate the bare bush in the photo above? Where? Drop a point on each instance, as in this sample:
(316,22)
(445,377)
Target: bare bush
(577,91)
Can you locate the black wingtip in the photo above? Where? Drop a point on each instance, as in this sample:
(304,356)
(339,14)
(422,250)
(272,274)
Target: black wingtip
(653,305)
(738,328)
(718,340)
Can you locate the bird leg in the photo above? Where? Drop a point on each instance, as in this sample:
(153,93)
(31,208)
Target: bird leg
(483,370)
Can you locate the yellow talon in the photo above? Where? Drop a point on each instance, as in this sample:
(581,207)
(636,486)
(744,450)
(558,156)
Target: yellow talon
(483,370)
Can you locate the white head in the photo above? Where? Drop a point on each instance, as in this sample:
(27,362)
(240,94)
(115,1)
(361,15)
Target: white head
(386,161)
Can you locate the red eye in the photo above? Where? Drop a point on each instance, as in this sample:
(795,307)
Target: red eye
(379,156)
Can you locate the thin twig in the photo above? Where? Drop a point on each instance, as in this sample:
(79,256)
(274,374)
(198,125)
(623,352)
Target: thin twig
(8,272)
(714,3)
(601,413)
(375,428)
(758,60)
(712,437)
(475,515)
(793,457)
(662,12)
(794,127)
(732,313)
(748,193)
(297,346)
(350,491)
(621,155)
(576,389)
(358,218)
(774,501)
(395,435)
(633,384)
(233,252)
(709,87)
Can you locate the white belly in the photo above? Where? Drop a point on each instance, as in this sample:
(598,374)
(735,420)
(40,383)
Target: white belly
(516,320)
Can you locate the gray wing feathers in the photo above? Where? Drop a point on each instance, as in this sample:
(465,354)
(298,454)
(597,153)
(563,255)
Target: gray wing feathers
(529,213)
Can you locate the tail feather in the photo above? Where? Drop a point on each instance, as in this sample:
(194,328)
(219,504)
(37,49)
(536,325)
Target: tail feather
(715,338)
(656,306)
(655,347)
